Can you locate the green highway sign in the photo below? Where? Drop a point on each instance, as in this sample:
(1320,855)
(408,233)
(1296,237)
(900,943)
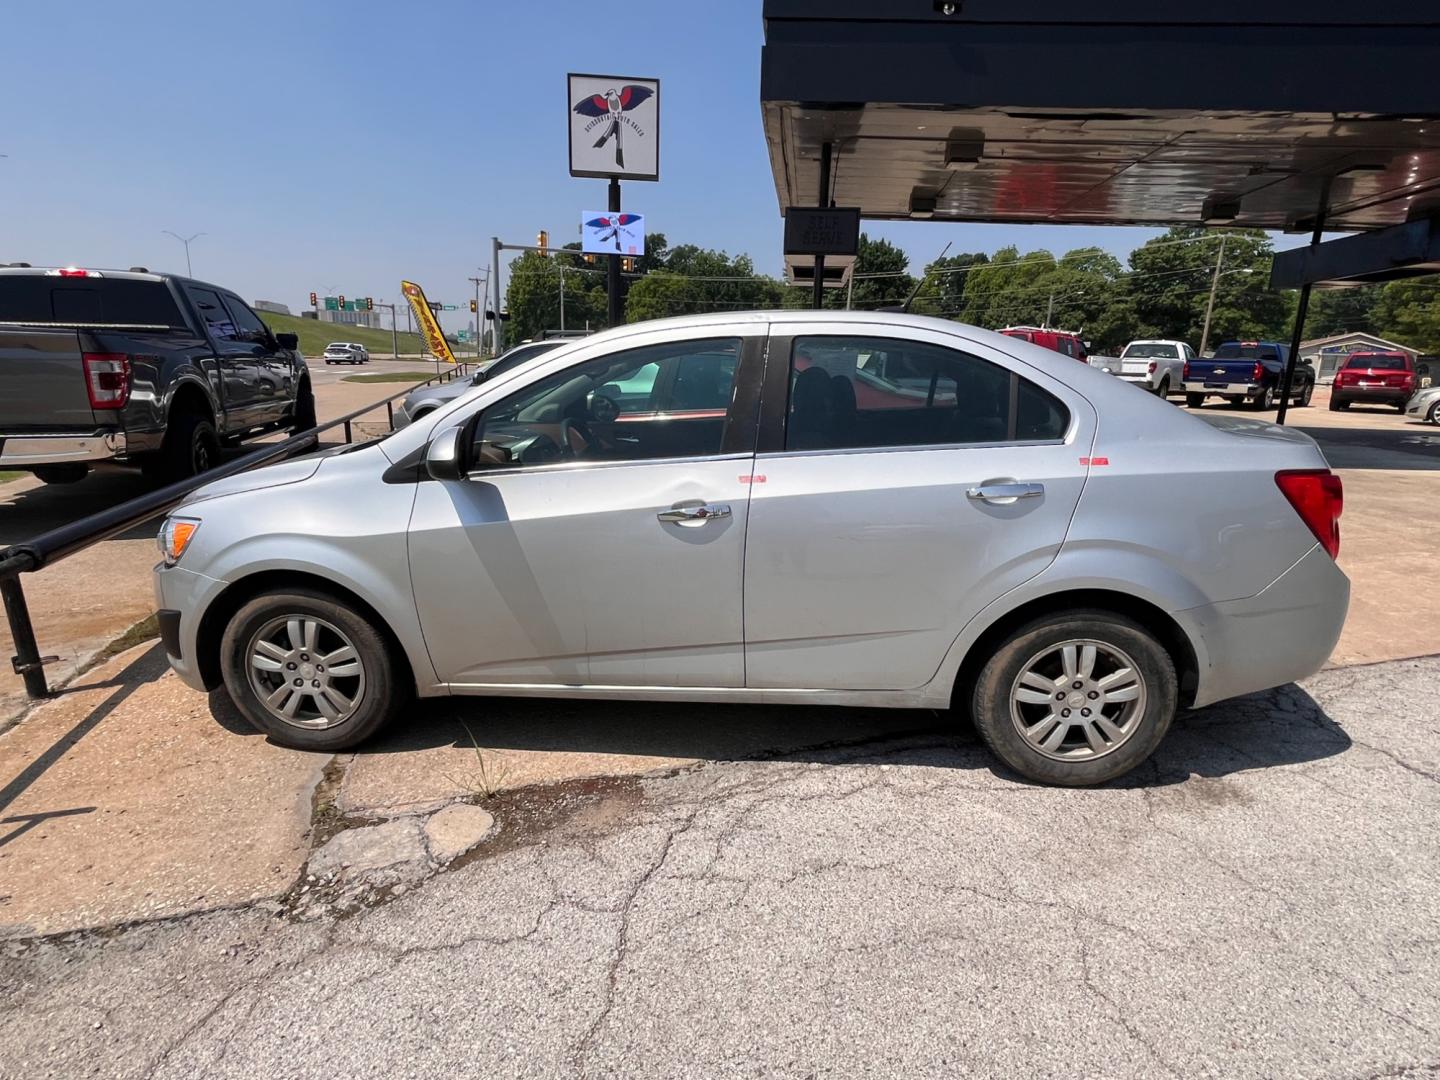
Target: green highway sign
(463,335)
(452,307)
(330,304)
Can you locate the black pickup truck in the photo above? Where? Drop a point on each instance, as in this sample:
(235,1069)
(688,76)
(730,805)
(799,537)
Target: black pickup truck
(130,366)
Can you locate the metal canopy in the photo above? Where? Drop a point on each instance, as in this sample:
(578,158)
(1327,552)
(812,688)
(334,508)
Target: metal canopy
(1028,111)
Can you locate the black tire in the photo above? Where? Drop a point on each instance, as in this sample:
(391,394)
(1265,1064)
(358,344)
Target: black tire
(70,473)
(191,447)
(991,701)
(1306,393)
(1163,390)
(304,416)
(382,692)
(1265,401)
(1194,401)
(1434,416)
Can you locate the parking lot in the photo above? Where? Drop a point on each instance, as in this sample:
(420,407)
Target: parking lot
(1259,900)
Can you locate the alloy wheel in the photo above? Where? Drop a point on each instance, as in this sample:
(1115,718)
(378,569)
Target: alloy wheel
(1078,700)
(305,672)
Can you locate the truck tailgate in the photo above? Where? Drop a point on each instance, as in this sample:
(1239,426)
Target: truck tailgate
(1222,372)
(42,382)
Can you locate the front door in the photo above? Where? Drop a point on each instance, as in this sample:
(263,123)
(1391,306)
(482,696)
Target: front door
(235,357)
(909,481)
(272,363)
(600,537)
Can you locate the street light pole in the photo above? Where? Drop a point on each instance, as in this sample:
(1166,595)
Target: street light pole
(1214,285)
(186,241)
(561,265)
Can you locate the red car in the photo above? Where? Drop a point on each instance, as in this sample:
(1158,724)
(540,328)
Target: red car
(1374,379)
(1062,341)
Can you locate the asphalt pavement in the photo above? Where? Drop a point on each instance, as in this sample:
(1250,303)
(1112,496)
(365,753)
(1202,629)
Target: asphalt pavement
(1259,901)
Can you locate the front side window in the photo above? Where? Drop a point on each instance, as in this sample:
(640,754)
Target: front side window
(859,392)
(246,321)
(660,401)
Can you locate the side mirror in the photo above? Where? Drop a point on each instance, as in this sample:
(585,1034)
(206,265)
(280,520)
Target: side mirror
(288,341)
(445,456)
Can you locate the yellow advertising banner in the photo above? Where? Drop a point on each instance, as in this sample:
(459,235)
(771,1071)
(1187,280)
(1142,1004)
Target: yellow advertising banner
(425,319)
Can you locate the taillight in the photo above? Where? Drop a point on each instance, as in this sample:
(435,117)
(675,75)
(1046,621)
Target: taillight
(1319,498)
(1259,373)
(71,271)
(107,378)
(1185,372)
(1151,369)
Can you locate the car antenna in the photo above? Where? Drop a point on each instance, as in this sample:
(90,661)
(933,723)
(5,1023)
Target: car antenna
(905,307)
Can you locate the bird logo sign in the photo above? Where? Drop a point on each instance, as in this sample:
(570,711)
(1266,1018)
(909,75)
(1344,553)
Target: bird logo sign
(611,118)
(613,234)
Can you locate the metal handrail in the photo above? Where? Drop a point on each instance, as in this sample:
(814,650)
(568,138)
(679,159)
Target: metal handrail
(59,543)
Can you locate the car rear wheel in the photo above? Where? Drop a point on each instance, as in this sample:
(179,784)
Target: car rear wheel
(1163,390)
(1194,401)
(1076,698)
(1434,416)
(1265,400)
(1337,405)
(1306,394)
(310,671)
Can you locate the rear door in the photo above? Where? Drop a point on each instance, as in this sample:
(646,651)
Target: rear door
(235,357)
(906,479)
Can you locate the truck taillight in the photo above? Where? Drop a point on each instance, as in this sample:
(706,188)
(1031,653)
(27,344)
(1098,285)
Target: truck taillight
(1319,498)
(1185,372)
(107,378)
(1151,369)
(1258,373)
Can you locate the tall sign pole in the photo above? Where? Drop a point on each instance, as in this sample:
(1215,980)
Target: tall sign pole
(614,135)
(497,325)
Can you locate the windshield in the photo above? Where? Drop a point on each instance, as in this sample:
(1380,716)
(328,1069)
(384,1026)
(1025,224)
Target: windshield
(1252,351)
(1376,362)
(1146,352)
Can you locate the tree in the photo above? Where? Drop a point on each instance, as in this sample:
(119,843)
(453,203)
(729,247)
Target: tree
(533,295)
(1408,312)
(1169,286)
(1342,311)
(943,290)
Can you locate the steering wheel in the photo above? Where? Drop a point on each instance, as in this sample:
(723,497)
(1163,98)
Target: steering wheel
(604,408)
(574,442)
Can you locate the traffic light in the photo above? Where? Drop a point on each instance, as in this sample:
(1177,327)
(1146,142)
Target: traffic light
(543,243)
(369,303)
(474,308)
(628,265)
(341,299)
(590,259)
(314,300)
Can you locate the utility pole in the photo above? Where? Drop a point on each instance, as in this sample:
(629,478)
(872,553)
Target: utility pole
(850,289)
(1214,286)
(1049,310)
(497,326)
(561,265)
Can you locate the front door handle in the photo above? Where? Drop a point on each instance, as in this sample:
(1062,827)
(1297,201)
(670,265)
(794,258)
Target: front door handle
(1003,494)
(691,516)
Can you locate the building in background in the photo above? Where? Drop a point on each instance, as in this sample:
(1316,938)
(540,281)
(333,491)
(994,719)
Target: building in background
(1327,354)
(272,306)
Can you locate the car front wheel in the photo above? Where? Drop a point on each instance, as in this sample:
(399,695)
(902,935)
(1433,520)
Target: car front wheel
(310,671)
(1434,417)
(1076,698)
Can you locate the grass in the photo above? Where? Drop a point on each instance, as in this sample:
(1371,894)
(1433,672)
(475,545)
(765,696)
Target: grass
(315,335)
(480,782)
(391,376)
(8,476)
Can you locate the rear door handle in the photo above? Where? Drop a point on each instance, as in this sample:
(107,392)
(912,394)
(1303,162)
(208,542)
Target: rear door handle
(1005,493)
(691,516)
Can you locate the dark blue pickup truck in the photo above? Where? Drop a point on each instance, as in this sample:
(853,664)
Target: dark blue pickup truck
(1247,371)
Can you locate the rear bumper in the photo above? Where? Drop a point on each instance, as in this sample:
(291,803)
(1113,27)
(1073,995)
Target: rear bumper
(1230,390)
(25,451)
(1282,634)
(1378,394)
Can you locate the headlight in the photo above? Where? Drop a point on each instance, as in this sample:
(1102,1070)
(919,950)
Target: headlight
(175,537)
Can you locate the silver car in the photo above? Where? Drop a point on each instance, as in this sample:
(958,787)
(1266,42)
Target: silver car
(824,508)
(1424,405)
(428,399)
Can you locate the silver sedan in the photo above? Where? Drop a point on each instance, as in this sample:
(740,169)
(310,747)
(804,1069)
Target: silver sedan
(428,399)
(823,508)
(1424,405)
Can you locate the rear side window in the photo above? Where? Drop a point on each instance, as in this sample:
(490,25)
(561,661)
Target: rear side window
(1378,363)
(850,393)
(91,301)
(217,320)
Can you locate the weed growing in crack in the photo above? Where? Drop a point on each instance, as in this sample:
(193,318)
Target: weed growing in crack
(483,782)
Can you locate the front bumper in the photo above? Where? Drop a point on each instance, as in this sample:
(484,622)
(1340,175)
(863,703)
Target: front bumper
(181,599)
(1280,635)
(27,451)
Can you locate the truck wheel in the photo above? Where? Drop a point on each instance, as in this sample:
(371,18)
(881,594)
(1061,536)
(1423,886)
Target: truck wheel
(310,671)
(1305,395)
(1266,400)
(1194,401)
(1076,698)
(304,417)
(1163,390)
(191,447)
(61,474)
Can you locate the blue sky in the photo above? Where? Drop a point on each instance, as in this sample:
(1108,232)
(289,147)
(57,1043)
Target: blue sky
(348,145)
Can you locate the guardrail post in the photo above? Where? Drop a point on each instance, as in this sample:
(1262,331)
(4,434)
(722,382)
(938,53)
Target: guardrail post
(27,660)
(347,431)
(390,412)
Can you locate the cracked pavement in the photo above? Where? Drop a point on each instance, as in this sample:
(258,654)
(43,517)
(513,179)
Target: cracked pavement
(1260,900)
